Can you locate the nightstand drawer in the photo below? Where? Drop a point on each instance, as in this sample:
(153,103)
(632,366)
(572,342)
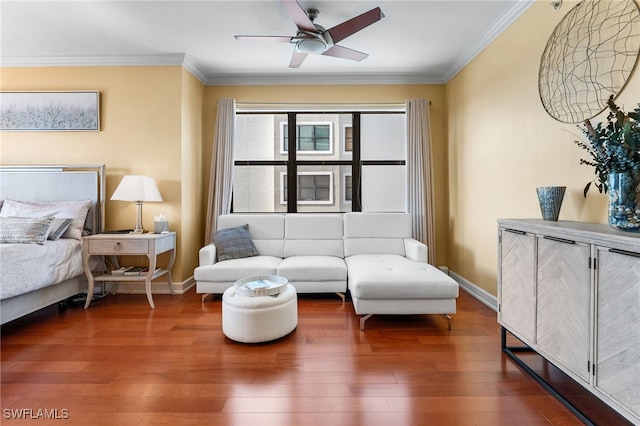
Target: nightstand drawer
(117,246)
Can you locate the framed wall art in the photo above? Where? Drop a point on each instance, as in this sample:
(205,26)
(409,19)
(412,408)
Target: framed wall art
(50,111)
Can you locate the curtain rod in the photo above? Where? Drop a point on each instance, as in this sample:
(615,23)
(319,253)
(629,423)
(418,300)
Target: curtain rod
(326,103)
(319,106)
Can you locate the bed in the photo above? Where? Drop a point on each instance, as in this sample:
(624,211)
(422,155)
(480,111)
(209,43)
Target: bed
(58,274)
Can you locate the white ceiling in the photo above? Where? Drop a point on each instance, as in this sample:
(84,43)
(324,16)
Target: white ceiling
(419,41)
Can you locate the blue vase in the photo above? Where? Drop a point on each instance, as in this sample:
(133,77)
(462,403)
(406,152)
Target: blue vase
(550,198)
(624,201)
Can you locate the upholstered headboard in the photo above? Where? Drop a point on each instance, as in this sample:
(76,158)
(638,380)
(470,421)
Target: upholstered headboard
(57,183)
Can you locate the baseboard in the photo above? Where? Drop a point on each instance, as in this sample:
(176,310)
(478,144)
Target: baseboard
(478,293)
(157,287)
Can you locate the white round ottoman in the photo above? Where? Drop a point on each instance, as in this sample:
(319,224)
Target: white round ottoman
(253,319)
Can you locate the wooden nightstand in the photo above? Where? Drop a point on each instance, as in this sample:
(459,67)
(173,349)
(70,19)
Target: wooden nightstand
(150,245)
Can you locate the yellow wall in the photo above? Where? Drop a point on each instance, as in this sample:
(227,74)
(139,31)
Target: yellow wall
(349,94)
(502,145)
(151,121)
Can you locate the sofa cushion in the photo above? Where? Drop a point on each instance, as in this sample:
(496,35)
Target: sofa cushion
(333,248)
(261,226)
(234,243)
(235,269)
(313,235)
(304,226)
(313,268)
(266,230)
(376,233)
(377,225)
(396,277)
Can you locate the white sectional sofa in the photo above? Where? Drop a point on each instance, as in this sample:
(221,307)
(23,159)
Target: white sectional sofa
(371,254)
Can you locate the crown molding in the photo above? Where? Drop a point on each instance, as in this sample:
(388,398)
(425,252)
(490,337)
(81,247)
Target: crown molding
(485,39)
(321,79)
(162,59)
(95,60)
(191,66)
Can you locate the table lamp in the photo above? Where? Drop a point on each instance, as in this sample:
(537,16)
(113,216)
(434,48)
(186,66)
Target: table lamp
(137,189)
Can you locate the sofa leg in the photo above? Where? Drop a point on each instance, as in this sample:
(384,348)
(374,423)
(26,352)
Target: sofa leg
(341,296)
(448,318)
(204,296)
(363,319)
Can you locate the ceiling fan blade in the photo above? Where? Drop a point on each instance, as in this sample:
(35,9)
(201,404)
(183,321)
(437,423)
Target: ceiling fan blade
(345,53)
(285,39)
(299,15)
(353,25)
(297,59)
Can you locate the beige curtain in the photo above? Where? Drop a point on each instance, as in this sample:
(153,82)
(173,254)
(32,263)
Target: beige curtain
(221,176)
(420,174)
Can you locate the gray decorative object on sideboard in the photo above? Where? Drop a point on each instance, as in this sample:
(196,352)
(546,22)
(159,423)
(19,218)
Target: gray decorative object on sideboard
(550,198)
(571,292)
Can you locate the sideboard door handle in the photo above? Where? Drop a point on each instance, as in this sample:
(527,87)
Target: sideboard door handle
(626,253)
(515,231)
(560,240)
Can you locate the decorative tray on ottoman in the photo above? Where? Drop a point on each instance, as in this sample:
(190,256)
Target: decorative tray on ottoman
(261,285)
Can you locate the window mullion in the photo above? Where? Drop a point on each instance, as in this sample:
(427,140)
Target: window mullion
(292,168)
(356,167)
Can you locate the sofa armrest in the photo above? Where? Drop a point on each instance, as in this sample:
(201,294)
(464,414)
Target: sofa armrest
(415,250)
(207,255)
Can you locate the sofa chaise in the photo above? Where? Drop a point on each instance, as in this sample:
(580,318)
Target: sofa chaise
(370,254)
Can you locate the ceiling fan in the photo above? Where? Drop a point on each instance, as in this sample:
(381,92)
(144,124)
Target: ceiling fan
(313,39)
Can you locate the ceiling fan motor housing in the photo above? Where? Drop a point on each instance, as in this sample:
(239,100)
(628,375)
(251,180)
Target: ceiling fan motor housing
(313,43)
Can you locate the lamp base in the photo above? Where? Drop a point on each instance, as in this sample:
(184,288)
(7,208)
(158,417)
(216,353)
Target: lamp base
(139,229)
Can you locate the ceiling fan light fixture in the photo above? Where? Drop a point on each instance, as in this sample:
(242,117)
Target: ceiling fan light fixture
(311,46)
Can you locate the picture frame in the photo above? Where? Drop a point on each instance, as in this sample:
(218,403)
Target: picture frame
(50,111)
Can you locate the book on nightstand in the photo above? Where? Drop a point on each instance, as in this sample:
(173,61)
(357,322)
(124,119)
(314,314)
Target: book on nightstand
(138,270)
(121,270)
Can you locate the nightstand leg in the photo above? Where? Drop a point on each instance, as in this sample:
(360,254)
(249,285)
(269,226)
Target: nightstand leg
(147,285)
(147,282)
(172,259)
(89,293)
(89,275)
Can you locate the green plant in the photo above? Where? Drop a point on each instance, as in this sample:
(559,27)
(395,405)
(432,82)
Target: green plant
(614,146)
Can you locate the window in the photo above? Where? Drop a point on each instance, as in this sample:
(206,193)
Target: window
(310,138)
(348,138)
(369,162)
(347,189)
(312,188)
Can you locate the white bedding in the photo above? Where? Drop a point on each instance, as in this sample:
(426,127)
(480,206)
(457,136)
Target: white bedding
(28,267)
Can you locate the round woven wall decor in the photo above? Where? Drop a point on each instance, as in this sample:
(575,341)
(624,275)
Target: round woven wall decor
(590,56)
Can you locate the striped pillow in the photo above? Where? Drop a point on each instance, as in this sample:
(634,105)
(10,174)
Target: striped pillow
(24,230)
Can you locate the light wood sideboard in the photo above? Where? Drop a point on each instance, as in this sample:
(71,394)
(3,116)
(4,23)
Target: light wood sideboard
(570,291)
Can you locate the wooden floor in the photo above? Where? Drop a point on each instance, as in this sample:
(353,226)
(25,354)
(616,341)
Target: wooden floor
(121,363)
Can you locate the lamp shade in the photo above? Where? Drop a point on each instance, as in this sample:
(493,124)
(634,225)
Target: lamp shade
(137,188)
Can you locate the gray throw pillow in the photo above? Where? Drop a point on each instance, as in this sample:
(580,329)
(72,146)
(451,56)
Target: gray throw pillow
(234,243)
(58,227)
